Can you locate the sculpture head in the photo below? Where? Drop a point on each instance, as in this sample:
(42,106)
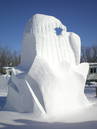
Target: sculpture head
(41,39)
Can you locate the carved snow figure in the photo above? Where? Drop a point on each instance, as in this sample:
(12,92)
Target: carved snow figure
(50,79)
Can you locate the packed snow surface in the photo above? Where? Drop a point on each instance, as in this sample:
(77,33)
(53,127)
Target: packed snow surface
(84,119)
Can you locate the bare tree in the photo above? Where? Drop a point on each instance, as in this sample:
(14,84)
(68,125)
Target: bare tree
(8,57)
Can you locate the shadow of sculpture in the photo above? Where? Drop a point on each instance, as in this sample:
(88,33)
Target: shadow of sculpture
(27,124)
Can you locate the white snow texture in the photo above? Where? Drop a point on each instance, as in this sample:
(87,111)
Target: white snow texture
(50,80)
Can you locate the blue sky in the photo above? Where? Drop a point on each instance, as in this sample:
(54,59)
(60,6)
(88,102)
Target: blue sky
(80,16)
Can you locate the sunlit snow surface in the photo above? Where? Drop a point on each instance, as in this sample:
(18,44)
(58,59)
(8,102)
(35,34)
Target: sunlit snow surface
(84,119)
(50,80)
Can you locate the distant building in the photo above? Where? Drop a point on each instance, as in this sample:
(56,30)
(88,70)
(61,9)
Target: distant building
(92,75)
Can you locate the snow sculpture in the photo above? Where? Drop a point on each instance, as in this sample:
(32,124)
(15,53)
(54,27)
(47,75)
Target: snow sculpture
(50,79)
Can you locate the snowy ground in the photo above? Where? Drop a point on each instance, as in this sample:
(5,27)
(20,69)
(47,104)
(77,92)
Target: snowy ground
(85,119)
